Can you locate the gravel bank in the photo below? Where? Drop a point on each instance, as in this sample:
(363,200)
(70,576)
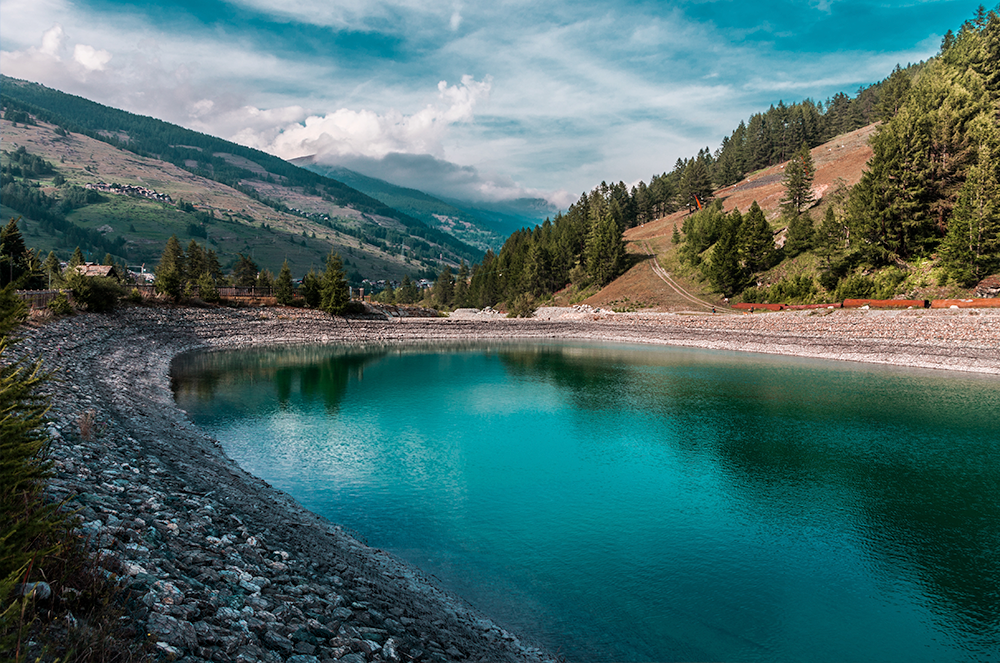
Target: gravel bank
(227,568)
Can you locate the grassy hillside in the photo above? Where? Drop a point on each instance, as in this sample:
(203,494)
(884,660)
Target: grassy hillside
(222,218)
(234,199)
(435,213)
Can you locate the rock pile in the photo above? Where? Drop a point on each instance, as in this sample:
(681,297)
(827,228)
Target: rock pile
(223,567)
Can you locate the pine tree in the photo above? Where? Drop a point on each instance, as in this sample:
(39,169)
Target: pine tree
(800,235)
(265,279)
(13,255)
(893,94)
(245,272)
(444,287)
(920,157)
(755,242)
(971,250)
(334,291)
(605,250)
(830,239)
(207,290)
(408,292)
(196,261)
(52,270)
(283,290)
(798,179)
(388,294)
(76,259)
(213,266)
(31,520)
(537,270)
(170,272)
(462,286)
(696,184)
(726,274)
(311,289)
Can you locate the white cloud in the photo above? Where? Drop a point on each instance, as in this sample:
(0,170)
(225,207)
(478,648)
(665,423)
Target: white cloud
(446,179)
(363,133)
(52,41)
(90,58)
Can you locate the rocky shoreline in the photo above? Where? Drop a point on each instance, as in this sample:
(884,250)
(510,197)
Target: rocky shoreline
(226,568)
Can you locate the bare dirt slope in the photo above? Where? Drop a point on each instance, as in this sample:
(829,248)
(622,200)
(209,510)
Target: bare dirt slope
(843,158)
(83,160)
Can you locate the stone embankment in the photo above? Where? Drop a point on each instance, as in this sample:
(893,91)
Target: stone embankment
(226,568)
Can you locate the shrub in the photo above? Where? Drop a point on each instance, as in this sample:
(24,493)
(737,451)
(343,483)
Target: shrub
(60,305)
(754,295)
(135,296)
(206,289)
(523,306)
(353,308)
(796,289)
(98,294)
(855,287)
(887,282)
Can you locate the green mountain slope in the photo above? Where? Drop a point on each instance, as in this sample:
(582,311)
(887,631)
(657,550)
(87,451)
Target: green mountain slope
(435,213)
(484,225)
(236,198)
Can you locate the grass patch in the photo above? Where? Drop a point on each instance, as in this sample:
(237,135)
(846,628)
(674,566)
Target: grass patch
(626,305)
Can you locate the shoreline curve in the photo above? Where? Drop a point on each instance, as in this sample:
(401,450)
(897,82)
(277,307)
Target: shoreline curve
(225,567)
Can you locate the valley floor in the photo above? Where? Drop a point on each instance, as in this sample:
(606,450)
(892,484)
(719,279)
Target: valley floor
(228,568)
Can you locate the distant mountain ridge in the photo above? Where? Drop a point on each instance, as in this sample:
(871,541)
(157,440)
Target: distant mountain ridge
(480,224)
(304,207)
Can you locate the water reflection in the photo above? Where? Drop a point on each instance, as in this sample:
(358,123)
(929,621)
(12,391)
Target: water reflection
(911,457)
(314,373)
(713,506)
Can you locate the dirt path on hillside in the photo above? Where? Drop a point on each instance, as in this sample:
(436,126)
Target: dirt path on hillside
(665,277)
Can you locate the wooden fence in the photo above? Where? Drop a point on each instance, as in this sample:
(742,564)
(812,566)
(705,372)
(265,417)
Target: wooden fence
(230,291)
(41,298)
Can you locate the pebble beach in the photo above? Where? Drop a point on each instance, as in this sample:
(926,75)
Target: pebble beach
(224,567)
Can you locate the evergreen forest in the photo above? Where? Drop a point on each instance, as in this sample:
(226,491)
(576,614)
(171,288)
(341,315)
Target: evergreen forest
(929,195)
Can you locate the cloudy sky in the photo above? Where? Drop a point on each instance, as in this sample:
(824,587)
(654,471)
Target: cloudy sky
(485,100)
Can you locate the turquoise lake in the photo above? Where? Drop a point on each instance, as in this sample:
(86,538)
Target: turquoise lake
(633,503)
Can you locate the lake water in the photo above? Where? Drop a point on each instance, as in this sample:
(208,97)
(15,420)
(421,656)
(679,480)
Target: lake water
(629,503)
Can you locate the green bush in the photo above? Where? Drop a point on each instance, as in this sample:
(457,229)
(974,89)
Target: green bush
(60,305)
(800,289)
(523,306)
(855,287)
(887,282)
(754,295)
(135,296)
(207,290)
(98,294)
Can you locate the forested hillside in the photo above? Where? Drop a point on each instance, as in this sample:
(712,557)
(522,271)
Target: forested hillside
(324,207)
(926,211)
(433,212)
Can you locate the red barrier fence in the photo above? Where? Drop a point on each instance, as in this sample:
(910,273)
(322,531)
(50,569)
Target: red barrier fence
(966,303)
(806,307)
(886,303)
